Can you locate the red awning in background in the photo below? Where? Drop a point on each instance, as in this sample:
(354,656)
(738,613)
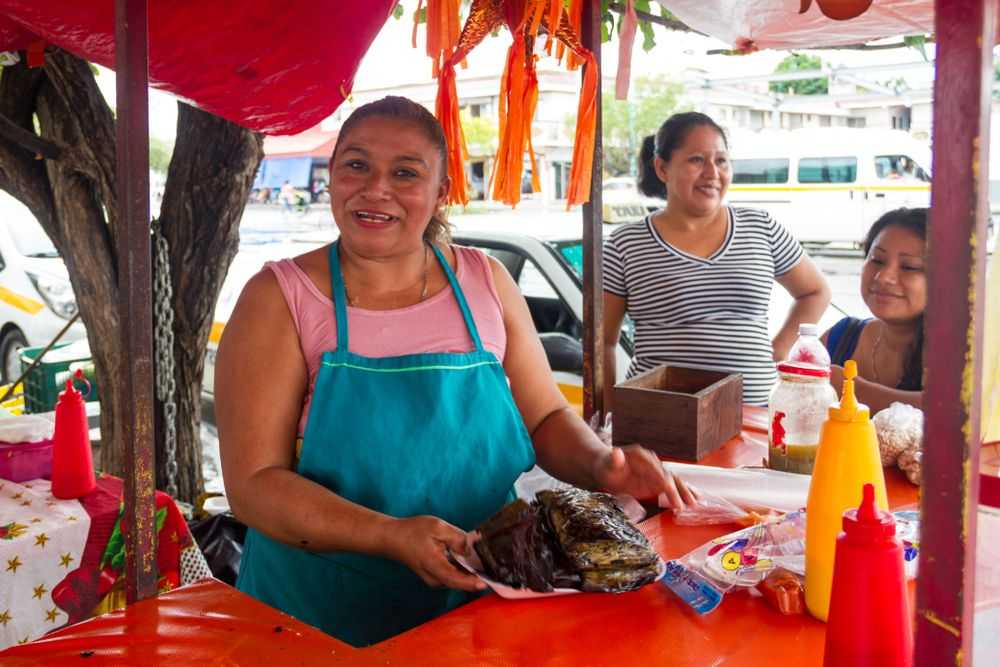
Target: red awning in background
(276,66)
(312,143)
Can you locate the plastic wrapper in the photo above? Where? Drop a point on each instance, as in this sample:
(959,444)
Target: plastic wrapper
(900,428)
(738,560)
(711,509)
(910,463)
(745,558)
(220,539)
(755,489)
(27,428)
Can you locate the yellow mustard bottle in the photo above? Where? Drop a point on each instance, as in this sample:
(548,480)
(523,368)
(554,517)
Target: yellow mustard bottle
(847,459)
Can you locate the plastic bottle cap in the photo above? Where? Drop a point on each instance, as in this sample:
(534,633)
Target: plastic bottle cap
(803,368)
(807,329)
(71,394)
(868,522)
(849,409)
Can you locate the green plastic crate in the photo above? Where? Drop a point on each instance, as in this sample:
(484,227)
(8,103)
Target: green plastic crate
(41,391)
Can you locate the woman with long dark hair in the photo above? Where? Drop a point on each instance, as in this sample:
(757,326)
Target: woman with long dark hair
(888,347)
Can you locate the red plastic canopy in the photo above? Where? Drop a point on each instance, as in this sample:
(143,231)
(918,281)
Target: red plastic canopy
(276,66)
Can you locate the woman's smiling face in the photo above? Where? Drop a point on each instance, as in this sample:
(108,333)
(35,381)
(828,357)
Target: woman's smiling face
(386,181)
(893,282)
(698,173)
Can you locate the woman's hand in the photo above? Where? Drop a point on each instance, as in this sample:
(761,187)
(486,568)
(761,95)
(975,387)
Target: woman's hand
(420,544)
(636,471)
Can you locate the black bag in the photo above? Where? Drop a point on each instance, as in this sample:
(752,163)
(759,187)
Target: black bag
(220,538)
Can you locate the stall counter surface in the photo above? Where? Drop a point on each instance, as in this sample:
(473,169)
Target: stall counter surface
(200,623)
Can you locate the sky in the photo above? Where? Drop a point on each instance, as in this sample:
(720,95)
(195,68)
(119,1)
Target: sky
(392,60)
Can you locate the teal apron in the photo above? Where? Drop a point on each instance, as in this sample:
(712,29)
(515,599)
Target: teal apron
(436,434)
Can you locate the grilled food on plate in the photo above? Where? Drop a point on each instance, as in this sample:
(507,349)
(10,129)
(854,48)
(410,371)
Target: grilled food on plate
(566,539)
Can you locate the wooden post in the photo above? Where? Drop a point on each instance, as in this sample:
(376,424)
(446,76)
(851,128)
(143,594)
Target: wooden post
(135,295)
(593,281)
(964,31)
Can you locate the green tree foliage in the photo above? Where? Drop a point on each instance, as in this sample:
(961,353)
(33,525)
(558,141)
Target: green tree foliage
(798,62)
(159,155)
(481,134)
(626,122)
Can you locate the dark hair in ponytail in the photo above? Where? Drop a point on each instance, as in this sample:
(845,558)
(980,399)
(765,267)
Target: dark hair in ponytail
(915,220)
(671,134)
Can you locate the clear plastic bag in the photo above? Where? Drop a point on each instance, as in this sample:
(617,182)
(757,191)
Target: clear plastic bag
(711,509)
(27,428)
(741,559)
(744,558)
(740,495)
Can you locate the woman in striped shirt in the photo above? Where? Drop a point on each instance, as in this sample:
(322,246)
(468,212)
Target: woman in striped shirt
(696,277)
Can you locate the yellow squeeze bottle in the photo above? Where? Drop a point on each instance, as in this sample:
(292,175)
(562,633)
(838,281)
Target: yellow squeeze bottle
(847,459)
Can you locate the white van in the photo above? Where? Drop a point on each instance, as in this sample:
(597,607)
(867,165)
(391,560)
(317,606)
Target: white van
(828,185)
(36,298)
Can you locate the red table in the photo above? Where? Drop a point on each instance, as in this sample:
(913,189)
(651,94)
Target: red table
(210,623)
(45,590)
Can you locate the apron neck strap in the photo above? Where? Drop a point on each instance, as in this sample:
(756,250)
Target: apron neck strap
(339,296)
(470,322)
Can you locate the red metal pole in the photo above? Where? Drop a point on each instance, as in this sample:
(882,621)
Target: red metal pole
(135,303)
(593,281)
(964,31)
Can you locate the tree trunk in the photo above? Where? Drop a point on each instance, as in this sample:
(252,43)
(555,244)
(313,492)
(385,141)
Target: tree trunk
(208,183)
(73,196)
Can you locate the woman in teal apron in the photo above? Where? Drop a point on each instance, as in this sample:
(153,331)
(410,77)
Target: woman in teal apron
(401,455)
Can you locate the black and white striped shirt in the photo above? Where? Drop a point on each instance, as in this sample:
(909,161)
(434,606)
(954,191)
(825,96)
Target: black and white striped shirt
(707,312)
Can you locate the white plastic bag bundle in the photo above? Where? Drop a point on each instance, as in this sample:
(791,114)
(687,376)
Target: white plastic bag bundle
(27,428)
(900,427)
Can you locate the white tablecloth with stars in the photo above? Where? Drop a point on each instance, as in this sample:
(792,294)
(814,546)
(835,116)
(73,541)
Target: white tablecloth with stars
(41,541)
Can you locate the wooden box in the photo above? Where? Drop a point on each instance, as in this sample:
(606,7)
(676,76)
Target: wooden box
(678,411)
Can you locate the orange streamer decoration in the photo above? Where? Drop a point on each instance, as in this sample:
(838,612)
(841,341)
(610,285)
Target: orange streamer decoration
(518,96)
(442,29)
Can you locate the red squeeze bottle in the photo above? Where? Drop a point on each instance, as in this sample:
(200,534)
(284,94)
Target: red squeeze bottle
(869,622)
(72,460)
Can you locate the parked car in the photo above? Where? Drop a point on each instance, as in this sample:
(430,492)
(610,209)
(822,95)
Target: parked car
(547,268)
(36,298)
(621,201)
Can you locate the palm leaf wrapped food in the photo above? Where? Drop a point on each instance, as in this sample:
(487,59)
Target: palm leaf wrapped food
(566,539)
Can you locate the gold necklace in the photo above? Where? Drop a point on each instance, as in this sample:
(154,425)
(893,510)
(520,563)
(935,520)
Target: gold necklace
(352,301)
(878,341)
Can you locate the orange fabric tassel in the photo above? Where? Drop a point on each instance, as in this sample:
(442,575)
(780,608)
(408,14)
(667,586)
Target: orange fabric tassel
(485,16)
(578,191)
(448,114)
(554,12)
(574,16)
(518,99)
(442,30)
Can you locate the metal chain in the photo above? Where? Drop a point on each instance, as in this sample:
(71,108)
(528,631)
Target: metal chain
(163,348)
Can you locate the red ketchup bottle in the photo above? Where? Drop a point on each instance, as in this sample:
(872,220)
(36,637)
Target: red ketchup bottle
(869,622)
(72,460)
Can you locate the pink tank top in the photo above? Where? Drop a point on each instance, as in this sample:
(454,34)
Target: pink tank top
(433,325)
